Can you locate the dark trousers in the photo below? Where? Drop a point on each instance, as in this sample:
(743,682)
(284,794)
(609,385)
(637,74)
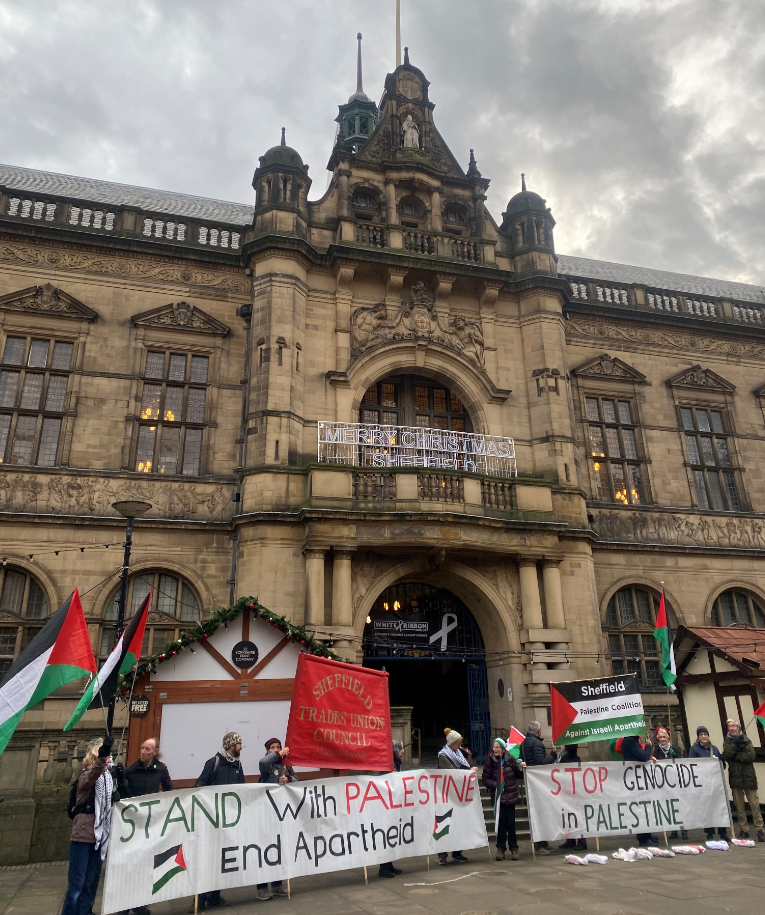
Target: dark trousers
(263,886)
(506,834)
(84,871)
(443,855)
(642,837)
(211,900)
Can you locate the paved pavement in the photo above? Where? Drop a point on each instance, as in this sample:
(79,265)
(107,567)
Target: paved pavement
(716,882)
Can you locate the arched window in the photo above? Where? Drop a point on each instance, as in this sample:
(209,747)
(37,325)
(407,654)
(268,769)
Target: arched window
(21,598)
(362,199)
(738,608)
(174,606)
(408,400)
(632,648)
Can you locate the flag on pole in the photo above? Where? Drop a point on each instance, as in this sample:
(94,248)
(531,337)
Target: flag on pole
(59,653)
(124,655)
(663,636)
(759,714)
(500,784)
(514,741)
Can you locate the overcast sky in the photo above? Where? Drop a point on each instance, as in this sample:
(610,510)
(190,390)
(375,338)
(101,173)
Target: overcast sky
(642,123)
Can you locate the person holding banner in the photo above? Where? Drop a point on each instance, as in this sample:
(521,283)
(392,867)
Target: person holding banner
(705,749)
(501,772)
(274,772)
(634,750)
(452,757)
(666,751)
(739,753)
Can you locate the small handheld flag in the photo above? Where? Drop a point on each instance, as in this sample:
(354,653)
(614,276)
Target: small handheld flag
(57,655)
(663,636)
(759,714)
(514,741)
(124,655)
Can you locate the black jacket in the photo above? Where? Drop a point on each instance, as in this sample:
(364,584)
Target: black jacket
(633,752)
(699,751)
(490,778)
(219,771)
(270,770)
(140,779)
(533,752)
(671,752)
(740,754)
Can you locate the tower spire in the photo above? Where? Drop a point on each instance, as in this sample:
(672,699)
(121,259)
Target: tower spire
(359,94)
(398,33)
(284,140)
(523,182)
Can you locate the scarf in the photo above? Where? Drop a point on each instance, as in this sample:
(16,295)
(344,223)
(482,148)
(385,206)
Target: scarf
(103,810)
(455,756)
(227,756)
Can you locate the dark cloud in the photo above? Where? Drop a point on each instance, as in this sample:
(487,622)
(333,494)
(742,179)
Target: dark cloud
(642,123)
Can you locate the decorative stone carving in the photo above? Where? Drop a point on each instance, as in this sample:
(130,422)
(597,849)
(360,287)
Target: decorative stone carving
(183,316)
(662,528)
(697,377)
(605,366)
(410,134)
(366,569)
(47,299)
(418,320)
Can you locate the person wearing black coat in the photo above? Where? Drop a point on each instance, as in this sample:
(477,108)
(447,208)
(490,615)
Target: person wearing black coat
(147,775)
(491,777)
(705,749)
(274,772)
(534,753)
(635,751)
(225,768)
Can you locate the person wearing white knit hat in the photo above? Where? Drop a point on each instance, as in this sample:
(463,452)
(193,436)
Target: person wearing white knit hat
(453,756)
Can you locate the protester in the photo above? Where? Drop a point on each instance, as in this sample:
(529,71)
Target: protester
(274,772)
(534,753)
(705,749)
(225,768)
(569,756)
(388,869)
(634,750)
(452,756)
(90,828)
(665,751)
(499,762)
(739,753)
(148,775)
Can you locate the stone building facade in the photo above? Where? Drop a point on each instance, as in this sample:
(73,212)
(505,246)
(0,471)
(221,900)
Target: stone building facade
(192,353)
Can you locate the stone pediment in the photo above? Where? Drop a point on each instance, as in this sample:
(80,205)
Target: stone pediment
(759,391)
(608,367)
(415,321)
(47,300)
(181,316)
(705,379)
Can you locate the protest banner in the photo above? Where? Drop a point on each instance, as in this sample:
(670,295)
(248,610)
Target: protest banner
(339,716)
(620,799)
(180,843)
(584,710)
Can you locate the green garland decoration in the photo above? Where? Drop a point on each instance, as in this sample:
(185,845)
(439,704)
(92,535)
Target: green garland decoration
(221,617)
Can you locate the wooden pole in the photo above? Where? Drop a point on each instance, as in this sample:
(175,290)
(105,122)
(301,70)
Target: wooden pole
(288,888)
(428,860)
(196,904)
(366,878)
(597,844)
(666,840)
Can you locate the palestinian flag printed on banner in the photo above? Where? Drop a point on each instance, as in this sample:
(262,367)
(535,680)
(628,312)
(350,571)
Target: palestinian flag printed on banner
(663,636)
(439,830)
(514,741)
(499,793)
(166,866)
(57,655)
(124,655)
(585,710)
(759,714)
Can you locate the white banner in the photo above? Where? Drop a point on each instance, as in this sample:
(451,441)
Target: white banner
(180,843)
(625,798)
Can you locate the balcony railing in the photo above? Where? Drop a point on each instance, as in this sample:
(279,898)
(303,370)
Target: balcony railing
(374,487)
(371,235)
(440,487)
(420,243)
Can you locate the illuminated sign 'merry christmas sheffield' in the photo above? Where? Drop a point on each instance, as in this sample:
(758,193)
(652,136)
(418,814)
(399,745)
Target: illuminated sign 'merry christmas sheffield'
(372,445)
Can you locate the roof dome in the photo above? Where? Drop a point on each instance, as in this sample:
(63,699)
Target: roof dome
(282,155)
(526,200)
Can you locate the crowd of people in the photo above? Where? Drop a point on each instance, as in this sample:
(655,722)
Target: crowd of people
(101,783)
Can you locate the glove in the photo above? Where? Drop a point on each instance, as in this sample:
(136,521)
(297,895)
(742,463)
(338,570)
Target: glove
(106,747)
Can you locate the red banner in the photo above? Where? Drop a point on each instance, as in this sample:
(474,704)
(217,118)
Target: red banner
(339,717)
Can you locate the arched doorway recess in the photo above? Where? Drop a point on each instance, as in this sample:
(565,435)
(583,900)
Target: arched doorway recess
(430,644)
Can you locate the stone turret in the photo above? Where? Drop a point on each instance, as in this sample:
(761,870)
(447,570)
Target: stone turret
(528,226)
(281,182)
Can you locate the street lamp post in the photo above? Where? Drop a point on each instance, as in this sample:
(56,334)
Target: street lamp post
(129,510)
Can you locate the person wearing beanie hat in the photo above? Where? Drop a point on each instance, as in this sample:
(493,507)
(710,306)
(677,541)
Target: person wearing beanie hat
(496,763)
(225,768)
(665,751)
(453,756)
(274,772)
(705,749)
(740,755)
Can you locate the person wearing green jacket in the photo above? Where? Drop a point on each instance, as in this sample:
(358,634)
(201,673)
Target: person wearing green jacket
(738,752)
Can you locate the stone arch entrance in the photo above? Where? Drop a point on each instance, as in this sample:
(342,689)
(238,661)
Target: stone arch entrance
(430,644)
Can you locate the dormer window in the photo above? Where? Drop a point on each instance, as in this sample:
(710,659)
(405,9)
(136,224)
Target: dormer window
(409,209)
(350,127)
(364,200)
(453,215)
(364,128)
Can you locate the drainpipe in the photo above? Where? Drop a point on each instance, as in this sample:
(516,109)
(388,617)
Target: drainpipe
(244,312)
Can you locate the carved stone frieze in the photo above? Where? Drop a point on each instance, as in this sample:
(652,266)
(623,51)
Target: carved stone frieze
(182,316)
(417,320)
(127,266)
(678,530)
(67,495)
(46,299)
(600,329)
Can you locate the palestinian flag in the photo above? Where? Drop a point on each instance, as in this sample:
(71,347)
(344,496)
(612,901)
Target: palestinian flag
(439,831)
(759,714)
(500,784)
(58,654)
(663,636)
(126,652)
(585,710)
(514,741)
(166,866)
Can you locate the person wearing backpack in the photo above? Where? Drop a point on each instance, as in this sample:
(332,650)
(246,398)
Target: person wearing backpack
(225,768)
(89,808)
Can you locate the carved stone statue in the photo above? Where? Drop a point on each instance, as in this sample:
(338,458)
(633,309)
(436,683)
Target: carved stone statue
(410,133)
(470,337)
(366,324)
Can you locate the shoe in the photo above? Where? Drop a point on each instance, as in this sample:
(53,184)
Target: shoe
(279,891)
(142,910)
(544,851)
(500,854)
(652,841)
(743,833)
(396,870)
(760,835)
(199,908)
(443,862)
(673,835)
(722,833)
(513,854)
(263,894)
(581,843)
(385,873)
(569,843)
(460,857)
